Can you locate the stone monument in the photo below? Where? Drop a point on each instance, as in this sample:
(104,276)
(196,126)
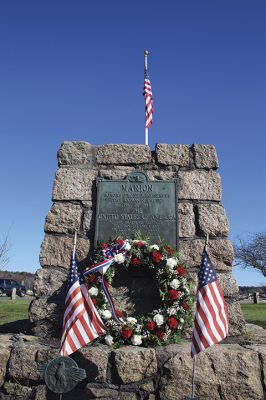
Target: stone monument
(199,210)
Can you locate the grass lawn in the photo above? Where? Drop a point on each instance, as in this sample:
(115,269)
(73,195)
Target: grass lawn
(13,310)
(255,314)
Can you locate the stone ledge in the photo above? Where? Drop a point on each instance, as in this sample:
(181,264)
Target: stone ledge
(205,156)
(123,154)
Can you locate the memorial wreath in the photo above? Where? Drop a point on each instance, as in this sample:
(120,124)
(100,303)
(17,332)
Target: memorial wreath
(163,325)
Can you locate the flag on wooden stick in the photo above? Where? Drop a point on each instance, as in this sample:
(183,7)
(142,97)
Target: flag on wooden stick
(81,323)
(211,318)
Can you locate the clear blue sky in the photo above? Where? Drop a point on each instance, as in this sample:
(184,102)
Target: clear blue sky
(73,70)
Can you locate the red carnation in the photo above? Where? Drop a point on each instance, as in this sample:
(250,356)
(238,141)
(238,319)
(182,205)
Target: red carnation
(185,305)
(104,246)
(119,314)
(151,325)
(160,334)
(94,300)
(173,294)
(139,244)
(135,261)
(156,257)
(120,242)
(126,333)
(172,322)
(181,271)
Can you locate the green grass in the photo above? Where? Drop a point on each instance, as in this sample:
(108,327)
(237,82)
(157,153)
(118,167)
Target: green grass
(255,314)
(13,310)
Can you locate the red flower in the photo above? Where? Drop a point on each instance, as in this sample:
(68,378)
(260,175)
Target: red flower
(151,325)
(185,305)
(139,244)
(173,294)
(156,257)
(160,334)
(119,242)
(135,261)
(94,300)
(126,333)
(92,278)
(181,270)
(104,246)
(172,322)
(119,314)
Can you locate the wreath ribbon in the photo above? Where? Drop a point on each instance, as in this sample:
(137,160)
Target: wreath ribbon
(109,253)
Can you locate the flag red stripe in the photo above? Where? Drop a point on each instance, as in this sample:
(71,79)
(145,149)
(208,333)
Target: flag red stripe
(212,312)
(206,323)
(220,308)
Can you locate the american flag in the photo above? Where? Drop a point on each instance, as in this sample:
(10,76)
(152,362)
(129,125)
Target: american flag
(81,323)
(148,99)
(211,318)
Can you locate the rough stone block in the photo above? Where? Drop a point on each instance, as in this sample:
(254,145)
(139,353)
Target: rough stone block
(73,184)
(56,250)
(212,219)
(186,220)
(199,185)
(123,154)
(261,349)
(4,357)
(134,364)
(23,366)
(88,223)
(228,284)
(161,175)
(223,372)
(236,319)
(256,334)
(63,218)
(94,360)
(49,281)
(173,154)
(47,314)
(220,251)
(205,156)
(76,153)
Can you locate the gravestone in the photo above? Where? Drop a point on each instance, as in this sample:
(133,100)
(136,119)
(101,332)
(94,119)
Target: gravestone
(87,171)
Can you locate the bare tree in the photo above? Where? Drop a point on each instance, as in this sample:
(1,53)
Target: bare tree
(252,253)
(4,249)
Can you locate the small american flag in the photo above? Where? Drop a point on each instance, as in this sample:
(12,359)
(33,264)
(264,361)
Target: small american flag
(211,318)
(148,99)
(81,323)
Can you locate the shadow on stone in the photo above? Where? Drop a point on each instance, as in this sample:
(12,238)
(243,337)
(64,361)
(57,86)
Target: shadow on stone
(20,326)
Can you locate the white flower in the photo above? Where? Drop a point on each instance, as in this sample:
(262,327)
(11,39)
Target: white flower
(109,340)
(106,314)
(136,340)
(174,284)
(154,247)
(119,258)
(132,320)
(128,247)
(181,320)
(171,311)
(158,319)
(171,262)
(93,291)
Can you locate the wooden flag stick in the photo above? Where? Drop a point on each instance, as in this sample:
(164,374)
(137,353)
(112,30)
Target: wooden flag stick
(146,67)
(206,241)
(75,243)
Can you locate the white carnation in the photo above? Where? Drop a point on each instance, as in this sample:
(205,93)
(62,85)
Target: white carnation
(174,284)
(136,340)
(132,320)
(109,340)
(93,291)
(154,247)
(171,262)
(158,319)
(106,314)
(181,320)
(119,258)
(171,311)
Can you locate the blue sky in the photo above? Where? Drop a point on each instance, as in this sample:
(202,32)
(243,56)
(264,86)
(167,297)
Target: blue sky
(73,70)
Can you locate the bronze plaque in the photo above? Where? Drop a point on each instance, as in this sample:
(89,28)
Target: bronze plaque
(137,205)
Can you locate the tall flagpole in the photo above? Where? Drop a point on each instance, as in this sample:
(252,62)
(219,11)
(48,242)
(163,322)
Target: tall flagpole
(146,67)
